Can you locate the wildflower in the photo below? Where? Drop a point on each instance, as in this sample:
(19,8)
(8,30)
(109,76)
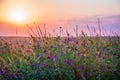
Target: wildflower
(1,72)
(87,49)
(100,70)
(101,65)
(98,55)
(80,67)
(45,51)
(67,61)
(45,66)
(68,40)
(51,46)
(78,54)
(103,50)
(38,64)
(32,65)
(113,49)
(15,75)
(6,67)
(10,76)
(85,74)
(83,43)
(51,56)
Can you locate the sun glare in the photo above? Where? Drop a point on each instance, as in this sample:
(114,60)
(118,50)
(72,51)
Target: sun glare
(17,16)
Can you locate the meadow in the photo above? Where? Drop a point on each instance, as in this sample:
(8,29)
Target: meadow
(60,58)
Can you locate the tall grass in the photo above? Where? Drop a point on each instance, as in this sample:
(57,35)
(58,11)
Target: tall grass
(61,58)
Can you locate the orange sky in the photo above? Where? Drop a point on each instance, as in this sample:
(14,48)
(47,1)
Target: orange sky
(58,9)
(57,12)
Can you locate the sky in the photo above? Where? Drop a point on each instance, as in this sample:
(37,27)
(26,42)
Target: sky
(55,12)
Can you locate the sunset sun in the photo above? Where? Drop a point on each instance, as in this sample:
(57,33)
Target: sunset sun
(17,15)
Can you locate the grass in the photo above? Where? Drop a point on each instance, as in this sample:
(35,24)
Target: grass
(61,58)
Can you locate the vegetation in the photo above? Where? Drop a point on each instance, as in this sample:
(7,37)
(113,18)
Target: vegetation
(61,58)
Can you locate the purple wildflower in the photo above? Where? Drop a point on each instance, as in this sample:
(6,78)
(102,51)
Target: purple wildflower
(100,70)
(6,67)
(45,66)
(1,72)
(101,65)
(85,74)
(15,75)
(98,55)
(51,46)
(32,65)
(103,50)
(113,49)
(78,54)
(68,40)
(10,76)
(51,56)
(80,67)
(38,64)
(87,49)
(67,61)
(83,43)
(45,51)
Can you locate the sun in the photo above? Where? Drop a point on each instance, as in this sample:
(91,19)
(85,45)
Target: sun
(17,15)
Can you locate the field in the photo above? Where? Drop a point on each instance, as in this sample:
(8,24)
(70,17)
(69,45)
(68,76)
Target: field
(60,58)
